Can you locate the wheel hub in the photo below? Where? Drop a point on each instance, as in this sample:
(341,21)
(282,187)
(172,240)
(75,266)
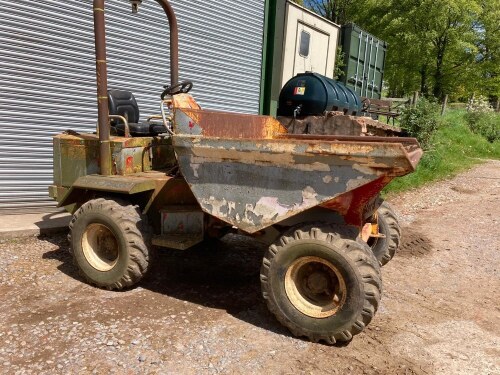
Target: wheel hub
(315,287)
(317,283)
(100,247)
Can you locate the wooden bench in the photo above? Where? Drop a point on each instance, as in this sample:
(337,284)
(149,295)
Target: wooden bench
(390,108)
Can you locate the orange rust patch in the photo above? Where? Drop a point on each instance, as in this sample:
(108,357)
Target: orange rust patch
(184,101)
(235,125)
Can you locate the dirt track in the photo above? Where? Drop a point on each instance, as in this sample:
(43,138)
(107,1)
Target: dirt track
(201,311)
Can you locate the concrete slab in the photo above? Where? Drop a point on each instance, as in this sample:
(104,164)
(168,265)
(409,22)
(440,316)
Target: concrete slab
(33,224)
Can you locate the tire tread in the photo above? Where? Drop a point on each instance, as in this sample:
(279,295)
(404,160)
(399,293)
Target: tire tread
(342,238)
(134,225)
(393,237)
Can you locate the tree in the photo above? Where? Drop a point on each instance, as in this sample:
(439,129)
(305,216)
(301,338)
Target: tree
(488,59)
(435,46)
(431,43)
(340,11)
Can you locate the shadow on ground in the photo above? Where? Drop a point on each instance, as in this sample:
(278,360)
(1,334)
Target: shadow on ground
(221,274)
(53,223)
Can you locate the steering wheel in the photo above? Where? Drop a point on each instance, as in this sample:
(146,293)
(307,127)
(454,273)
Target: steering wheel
(180,88)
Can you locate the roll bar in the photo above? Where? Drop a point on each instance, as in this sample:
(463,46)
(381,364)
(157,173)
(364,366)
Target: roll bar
(102,72)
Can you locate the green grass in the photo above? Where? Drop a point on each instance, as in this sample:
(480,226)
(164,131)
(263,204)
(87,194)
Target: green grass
(454,149)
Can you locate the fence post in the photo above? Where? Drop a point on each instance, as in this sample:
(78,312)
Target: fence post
(415,99)
(445,102)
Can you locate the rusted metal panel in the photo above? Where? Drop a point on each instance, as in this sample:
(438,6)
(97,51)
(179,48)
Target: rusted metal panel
(177,241)
(57,192)
(336,123)
(350,138)
(115,184)
(78,155)
(357,205)
(74,158)
(409,146)
(162,190)
(56,162)
(112,184)
(183,101)
(253,184)
(162,154)
(131,160)
(182,220)
(225,124)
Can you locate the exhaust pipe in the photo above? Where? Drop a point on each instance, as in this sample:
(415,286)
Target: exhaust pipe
(102,72)
(102,88)
(174,41)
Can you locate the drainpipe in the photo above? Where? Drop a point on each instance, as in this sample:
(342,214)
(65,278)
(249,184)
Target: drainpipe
(102,88)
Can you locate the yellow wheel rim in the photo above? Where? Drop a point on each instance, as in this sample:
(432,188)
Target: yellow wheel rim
(315,287)
(100,247)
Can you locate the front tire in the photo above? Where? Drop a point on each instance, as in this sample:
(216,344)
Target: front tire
(320,283)
(110,243)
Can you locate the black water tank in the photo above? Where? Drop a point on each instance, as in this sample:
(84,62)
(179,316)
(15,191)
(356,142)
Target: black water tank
(313,94)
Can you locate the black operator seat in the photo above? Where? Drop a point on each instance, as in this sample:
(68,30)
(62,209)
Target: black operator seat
(123,103)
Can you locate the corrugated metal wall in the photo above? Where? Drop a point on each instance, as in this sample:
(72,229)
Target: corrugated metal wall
(47,76)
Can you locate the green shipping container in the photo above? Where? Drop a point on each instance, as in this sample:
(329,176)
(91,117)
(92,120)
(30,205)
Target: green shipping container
(364,61)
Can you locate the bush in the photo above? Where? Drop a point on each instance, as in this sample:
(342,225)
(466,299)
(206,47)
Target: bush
(455,148)
(457,105)
(421,121)
(482,119)
(486,124)
(479,104)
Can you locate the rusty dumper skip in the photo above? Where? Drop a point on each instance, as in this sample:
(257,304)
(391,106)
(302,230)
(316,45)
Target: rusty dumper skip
(191,174)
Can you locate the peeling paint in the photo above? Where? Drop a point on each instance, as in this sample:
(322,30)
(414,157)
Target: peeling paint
(254,179)
(355,183)
(269,206)
(195,168)
(362,168)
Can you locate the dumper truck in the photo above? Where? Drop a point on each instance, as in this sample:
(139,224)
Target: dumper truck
(188,174)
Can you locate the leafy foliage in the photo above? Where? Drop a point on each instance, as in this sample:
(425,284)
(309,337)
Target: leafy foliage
(436,47)
(482,119)
(421,121)
(338,11)
(486,124)
(454,149)
(339,64)
(479,104)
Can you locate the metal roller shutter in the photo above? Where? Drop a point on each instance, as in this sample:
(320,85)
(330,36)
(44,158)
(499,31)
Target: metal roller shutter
(47,76)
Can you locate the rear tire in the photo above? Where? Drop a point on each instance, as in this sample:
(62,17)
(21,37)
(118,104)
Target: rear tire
(385,248)
(110,243)
(320,283)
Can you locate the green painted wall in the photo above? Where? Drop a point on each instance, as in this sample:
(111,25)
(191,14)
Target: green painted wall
(272,56)
(364,61)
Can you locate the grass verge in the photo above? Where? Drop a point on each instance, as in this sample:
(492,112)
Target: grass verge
(454,148)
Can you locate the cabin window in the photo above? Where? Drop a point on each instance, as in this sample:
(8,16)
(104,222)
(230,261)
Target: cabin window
(305,39)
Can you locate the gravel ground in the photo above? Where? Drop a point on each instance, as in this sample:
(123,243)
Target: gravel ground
(201,311)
